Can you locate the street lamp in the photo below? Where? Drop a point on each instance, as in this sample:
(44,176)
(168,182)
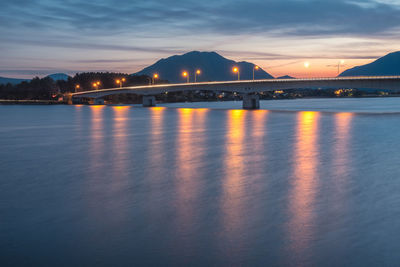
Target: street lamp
(95,85)
(120,82)
(197,72)
(341,62)
(155,76)
(236,70)
(255,68)
(186,74)
(77,87)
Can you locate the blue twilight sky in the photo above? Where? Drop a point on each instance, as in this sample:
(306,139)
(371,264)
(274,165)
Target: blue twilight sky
(39,37)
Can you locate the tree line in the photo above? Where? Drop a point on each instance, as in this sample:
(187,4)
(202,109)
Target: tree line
(48,89)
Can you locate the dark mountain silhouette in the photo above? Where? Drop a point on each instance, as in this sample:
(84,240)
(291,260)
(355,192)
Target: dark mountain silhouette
(286,77)
(59,76)
(213,66)
(387,65)
(13,81)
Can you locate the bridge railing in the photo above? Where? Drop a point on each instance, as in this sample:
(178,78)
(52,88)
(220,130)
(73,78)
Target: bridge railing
(241,82)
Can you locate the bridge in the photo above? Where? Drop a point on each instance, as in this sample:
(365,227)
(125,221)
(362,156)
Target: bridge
(249,89)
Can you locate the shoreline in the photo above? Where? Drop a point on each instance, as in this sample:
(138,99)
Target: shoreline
(30,102)
(54,102)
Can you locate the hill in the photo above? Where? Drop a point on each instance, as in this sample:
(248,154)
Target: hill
(213,66)
(286,77)
(13,81)
(384,66)
(58,76)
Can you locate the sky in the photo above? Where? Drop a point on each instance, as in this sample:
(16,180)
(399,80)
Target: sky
(40,37)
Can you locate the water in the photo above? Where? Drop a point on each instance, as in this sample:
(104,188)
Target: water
(125,185)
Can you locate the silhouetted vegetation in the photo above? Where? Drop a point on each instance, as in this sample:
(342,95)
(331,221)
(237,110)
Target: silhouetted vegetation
(35,89)
(48,89)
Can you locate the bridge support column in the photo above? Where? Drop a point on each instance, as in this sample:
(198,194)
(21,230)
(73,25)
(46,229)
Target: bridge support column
(149,101)
(68,99)
(251,101)
(75,101)
(98,101)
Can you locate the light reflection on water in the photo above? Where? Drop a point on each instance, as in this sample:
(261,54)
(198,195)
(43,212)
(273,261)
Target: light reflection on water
(187,175)
(198,187)
(304,183)
(96,139)
(343,137)
(233,182)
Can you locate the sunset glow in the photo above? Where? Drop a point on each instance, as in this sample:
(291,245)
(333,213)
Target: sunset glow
(40,39)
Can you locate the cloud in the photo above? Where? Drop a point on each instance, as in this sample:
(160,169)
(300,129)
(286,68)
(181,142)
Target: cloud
(70,43)
(280,17)
(104,32)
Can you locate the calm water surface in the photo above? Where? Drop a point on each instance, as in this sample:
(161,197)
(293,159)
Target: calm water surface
(213,185)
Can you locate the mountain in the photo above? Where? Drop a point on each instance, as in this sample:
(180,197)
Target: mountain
(213,66)
(286,77)
(58,76)
(384,66)
(13,81)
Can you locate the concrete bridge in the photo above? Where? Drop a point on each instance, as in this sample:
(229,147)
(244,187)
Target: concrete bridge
(248,89)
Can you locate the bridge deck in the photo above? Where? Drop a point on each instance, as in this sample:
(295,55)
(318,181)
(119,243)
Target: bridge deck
(253,86)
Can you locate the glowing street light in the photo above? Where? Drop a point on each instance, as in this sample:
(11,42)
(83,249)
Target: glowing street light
(236,70)
(120,82)
(77,87)
(341,62)
(96,85)
(197,72)
(255,68)
(186,74)
(155,76)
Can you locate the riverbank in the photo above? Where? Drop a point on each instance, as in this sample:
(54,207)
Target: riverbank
(193,99)
(30,102)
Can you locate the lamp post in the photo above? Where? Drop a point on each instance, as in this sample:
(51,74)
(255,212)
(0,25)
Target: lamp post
(77,87)
(120,82)
(236,70)
(186,74)
(95,85)
(155,76)
(197,72)
(255,68)
(341,62)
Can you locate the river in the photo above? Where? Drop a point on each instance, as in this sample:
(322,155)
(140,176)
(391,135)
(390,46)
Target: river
(310,182)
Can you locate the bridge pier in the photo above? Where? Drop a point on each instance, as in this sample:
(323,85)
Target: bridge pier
(98,101)
(68,99)
(149,101)
(75,101)
(251,101)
